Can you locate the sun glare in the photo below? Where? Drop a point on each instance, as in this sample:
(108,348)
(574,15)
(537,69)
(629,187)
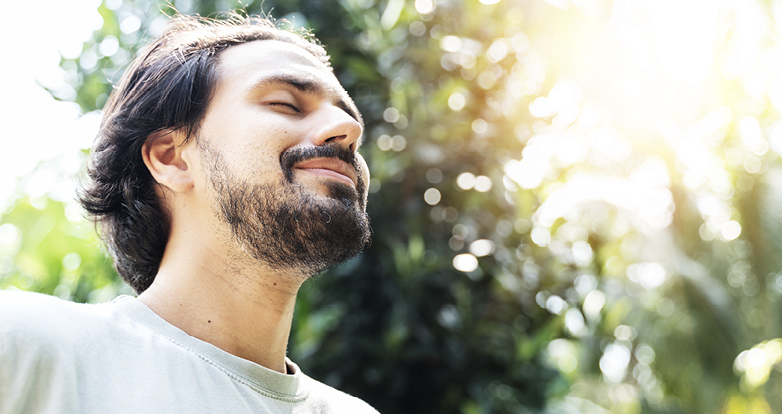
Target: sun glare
(36,127)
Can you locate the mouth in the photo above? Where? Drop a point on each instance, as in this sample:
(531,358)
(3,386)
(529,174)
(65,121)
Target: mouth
(331,168)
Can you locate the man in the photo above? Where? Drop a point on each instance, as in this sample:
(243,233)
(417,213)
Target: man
(225,174)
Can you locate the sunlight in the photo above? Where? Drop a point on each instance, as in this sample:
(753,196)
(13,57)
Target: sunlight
(36,126)
(598,180)
(756,363)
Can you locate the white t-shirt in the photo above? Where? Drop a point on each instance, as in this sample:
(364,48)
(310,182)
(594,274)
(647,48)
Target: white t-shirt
(120,357)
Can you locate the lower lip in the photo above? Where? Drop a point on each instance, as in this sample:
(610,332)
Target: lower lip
(330,174)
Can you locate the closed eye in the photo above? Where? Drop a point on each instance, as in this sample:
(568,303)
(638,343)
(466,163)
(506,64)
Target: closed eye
(285,104)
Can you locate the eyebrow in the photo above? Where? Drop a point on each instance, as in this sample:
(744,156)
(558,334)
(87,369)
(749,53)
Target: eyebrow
(310,87)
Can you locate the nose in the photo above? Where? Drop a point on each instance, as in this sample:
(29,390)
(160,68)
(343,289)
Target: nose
(334,125)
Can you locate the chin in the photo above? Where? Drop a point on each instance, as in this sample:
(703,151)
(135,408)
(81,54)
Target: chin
(292,223)
(291,226)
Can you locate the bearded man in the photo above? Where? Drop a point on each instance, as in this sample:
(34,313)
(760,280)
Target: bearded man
(225,174)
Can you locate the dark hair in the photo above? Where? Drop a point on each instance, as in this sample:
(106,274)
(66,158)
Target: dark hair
(168,86)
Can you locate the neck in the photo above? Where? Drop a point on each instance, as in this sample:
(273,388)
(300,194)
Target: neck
(237,305)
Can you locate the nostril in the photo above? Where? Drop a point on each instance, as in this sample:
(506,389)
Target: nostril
(336,138)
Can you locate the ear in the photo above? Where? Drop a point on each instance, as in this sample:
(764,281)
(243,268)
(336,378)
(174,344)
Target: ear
(163,155)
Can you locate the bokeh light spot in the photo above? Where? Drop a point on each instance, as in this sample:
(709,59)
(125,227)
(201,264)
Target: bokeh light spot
(556,305)
(540,236)
(398,143)
(417,28)
(451,43)
(424,6)
(384,142)
(456,101)
(10,234)
(574,322)
(614,362)
(482,183)
(482,247)
(730,230)
(391,115)
(130,24)
(593,304)
(432,196)
(479,126)
(465,262)
(71,261)
(109,46)
(466,180)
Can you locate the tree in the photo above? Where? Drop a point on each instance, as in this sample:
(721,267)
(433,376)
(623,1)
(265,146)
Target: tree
(573,205)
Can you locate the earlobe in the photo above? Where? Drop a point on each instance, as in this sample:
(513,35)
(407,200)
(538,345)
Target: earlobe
(162,153)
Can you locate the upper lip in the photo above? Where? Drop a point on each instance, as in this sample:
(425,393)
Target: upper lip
(333,164)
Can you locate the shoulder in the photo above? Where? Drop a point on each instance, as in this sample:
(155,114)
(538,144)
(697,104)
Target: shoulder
(27,315)
(18,307)
(34,335)
(40,330)
(335,401)
(31,320)
(16,299)
(44,343)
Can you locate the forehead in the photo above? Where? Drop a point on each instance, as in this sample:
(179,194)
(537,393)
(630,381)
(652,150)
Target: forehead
(248,66)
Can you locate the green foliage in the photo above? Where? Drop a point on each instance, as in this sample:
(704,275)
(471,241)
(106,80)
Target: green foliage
(610,281)
(45,246)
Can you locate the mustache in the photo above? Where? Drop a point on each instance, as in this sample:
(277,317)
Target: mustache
(295,155)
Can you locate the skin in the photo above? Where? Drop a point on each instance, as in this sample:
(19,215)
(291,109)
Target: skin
(270,96)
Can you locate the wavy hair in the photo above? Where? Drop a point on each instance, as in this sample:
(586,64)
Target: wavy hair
(168,86)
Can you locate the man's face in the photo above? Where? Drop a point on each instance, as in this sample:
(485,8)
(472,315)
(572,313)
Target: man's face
(278,145)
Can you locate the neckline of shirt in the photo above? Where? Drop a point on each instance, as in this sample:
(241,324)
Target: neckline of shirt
(285,387)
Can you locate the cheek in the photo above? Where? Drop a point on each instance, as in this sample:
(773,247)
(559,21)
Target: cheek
(250,139)
(259,150)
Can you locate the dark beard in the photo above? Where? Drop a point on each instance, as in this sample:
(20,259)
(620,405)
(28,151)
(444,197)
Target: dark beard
(286,225)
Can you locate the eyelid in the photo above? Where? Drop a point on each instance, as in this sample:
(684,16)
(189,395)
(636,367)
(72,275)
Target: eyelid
(281,97)
(284,103)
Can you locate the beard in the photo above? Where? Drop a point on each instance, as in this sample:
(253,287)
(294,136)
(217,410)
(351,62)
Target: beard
(285,224)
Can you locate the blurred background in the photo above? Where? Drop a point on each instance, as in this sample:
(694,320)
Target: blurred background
(576,204)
